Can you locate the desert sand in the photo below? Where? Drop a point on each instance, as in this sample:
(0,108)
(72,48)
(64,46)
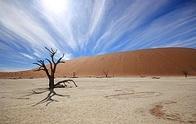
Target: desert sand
(148,62)
(168,100)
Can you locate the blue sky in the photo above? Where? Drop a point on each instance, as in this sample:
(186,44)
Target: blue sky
(91,27)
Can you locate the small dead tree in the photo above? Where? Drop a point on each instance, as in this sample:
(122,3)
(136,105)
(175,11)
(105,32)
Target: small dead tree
(106,72)
(51,72)
(74,75)
(185,73)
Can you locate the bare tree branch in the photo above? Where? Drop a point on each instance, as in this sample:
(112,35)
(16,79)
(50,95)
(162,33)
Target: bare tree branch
(42,66)
(38,64)
(65,81)
(59,60)
(51,51)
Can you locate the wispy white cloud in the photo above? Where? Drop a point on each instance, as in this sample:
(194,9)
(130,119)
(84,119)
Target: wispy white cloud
(21,23)
(27,56)
(134,16)
(91,27)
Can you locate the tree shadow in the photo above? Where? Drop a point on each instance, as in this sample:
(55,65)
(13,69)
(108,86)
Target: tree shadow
(49,98)
(40,91)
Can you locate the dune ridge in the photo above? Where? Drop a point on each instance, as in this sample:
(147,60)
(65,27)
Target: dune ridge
(147,62)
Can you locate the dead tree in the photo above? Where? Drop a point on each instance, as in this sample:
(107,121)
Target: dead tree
(74,75)
(106,72)
(185,73)
(52,68)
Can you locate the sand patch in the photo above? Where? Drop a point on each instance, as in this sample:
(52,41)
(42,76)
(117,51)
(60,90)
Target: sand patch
(99,101)
(165,110)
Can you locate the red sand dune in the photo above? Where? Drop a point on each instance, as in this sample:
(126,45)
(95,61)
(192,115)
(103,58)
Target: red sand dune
(148,62)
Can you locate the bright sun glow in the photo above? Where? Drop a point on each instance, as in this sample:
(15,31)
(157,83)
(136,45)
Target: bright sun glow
(55,6)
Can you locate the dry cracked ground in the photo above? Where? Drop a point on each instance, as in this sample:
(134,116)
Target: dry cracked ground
(168,100)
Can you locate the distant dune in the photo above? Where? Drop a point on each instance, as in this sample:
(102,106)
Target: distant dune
(147,62)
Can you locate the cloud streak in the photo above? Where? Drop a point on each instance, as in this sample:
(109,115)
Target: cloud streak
(92,27)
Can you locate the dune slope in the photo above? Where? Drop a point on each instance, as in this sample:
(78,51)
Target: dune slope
(148,62)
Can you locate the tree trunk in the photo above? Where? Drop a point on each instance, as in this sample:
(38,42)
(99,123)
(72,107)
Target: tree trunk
(51,83)
(49,72)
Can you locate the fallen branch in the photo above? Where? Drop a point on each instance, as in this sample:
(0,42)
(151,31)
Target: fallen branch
(62,83)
